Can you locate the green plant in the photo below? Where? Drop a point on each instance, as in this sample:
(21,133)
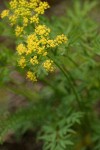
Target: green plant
(63,109)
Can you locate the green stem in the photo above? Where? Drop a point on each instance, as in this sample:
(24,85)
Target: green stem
(69,78)
(71,60)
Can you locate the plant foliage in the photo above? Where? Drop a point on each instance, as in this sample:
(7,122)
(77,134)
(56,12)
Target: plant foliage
(62,108)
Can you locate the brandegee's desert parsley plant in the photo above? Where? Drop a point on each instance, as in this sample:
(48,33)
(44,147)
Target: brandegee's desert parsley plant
(35,48)
(63,110)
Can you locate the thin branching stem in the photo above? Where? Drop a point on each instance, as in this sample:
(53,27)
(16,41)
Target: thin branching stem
(69,79)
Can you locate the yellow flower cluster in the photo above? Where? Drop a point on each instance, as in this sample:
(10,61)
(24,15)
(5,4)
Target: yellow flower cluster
(34,60)
(26,10)
(21,49)
(31,76)
(42,30)
(18,31)
(5,13)
(34,50)
(42,7)
(22,62)
(48,65)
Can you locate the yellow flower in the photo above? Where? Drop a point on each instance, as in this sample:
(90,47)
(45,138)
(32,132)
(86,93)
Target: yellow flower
(31,76)
(34,60)
(23,3)
(42,7)
(48,65)
(43,41)
(34,19)
(40,50)
(21,49)
(51,43)
(60,39)
(32,38)
(37,44)
(25,21)
(18,31)
(45,53)
(13,19)
(22,62)
(13,4)
(32,43)
(33,4)
(4,13)
(42,30)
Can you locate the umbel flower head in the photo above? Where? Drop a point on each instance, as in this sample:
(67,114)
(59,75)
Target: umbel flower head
(36,46)
(25,11)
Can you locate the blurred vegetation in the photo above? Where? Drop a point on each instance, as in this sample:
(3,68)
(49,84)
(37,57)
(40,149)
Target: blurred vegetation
(65,114)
